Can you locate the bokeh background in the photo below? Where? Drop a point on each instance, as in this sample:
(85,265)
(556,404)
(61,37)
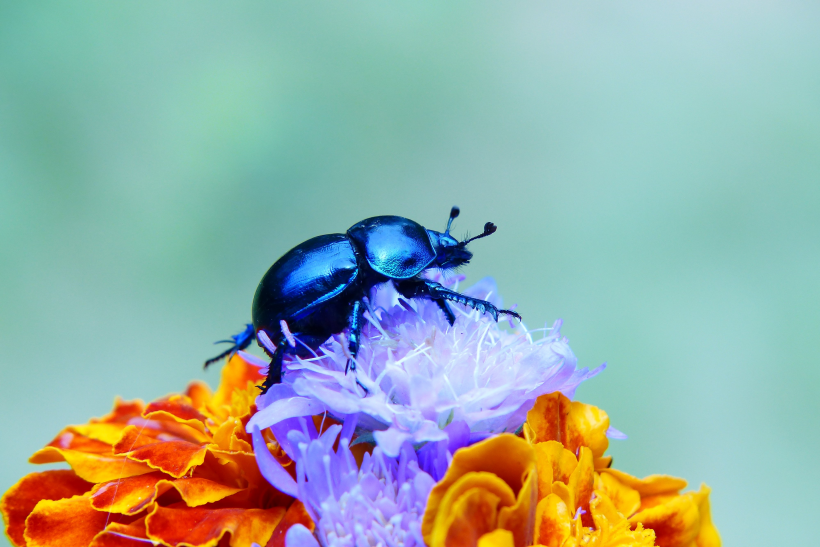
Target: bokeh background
(654,169)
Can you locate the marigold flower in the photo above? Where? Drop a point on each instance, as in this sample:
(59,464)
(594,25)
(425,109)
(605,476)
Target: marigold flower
(577,499)
(178,471)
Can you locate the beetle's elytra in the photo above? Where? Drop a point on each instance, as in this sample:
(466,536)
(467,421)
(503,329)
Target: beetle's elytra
(317,287)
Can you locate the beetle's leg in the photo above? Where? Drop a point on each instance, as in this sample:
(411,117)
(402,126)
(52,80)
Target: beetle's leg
(418,288)
(415,288)
(354,338)
(240,341)
(275,367)
(445,307)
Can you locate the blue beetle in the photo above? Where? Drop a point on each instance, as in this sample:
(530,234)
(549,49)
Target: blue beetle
(317,288)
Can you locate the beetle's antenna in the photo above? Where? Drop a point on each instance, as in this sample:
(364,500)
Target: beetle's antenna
(453,214)
(489,229)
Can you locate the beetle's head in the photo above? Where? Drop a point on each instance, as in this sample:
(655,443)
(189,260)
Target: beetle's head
(451,253)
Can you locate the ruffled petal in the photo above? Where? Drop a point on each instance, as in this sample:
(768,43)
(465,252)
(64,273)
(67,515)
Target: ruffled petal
(555,463)
(555,418)
(708,535)
(497,538)
(625,499)
(553,522)
(237,374)
(296,515)
(495,475)
(122,535)
(202,527)
(173,457)
(580,484)
(676,523)
(92,467)
(69,522)
(132,495)
(20,500)
(652,485)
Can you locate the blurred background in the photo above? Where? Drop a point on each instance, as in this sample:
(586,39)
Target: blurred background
(654,170)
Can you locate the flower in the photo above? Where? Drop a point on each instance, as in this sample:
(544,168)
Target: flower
(446,437)
(421,374)
(577,499)
(155,473)
(377,502)
(490,485)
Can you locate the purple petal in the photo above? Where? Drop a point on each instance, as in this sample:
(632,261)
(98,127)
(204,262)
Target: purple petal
(271,469)
(614,434)
(390,440)
(266,341)
(252,359)
(293,407)
(299,536)
(459,435)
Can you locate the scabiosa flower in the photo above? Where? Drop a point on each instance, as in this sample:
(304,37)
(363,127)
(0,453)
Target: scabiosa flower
(421,375)
(377,502)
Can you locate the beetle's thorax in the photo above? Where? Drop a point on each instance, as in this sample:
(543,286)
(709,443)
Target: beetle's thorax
(394,247)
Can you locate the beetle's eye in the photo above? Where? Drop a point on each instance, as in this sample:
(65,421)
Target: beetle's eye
(448,242)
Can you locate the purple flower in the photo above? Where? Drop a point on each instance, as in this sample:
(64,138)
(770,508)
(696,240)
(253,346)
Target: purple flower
(421,374)
(381,503)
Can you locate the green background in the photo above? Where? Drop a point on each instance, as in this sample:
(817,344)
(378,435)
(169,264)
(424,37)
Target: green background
(654,169)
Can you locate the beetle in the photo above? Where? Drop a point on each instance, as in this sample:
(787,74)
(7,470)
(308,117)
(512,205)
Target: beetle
(317,288)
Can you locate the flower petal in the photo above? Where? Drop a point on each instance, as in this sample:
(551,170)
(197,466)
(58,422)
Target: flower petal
(553,522)
(580,484)
(474,513)
(296,516)
(92,467)
(122,535)
(236,374)
(196,491)
(555,418)
(19,501)
(201,527)
(69,522)
(173,457)
(131,495)
(270,468)
(177,409)
(555,463)
(676,523)
(652,485)
(299,536)
(625,499)
(511,460)
(708,535)
(497,538)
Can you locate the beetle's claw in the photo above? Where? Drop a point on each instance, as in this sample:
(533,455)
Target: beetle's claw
(361,385)
(510,312)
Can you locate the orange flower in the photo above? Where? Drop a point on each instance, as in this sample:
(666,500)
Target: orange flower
(489,486)
(559,486)
(178,471)
(614,507)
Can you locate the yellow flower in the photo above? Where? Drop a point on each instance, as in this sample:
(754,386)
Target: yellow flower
(558,485)
(489,486)
(614,507)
